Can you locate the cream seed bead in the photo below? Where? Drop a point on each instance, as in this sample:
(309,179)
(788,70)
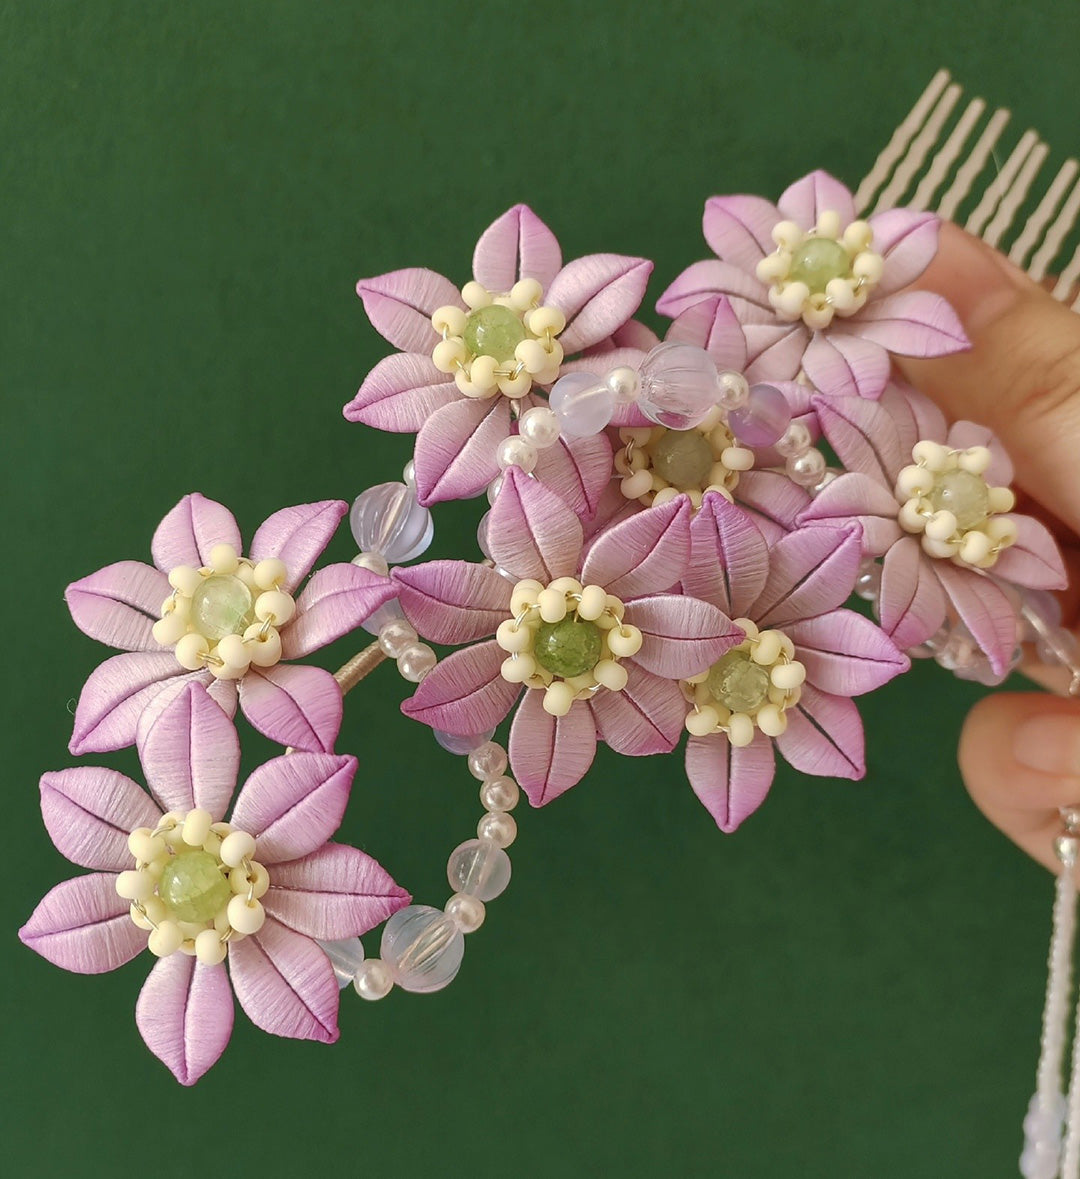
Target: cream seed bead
(593,602)
(740,729)
(539,426)
(937,548)
(196,827)
(487,761)
(787,235)
(395,636)
(166,939)
(974,460)
(234,653)
(828,224)
(624,641)
(134,885)
(931,455)
(449,320)
(518,669)
(525,594)
(534,356)
(839,293)
(256,881)
(190,651)
(941,525)
(559,698)
(771,720)
(737,458)
(373,979)
(773,267)
(512,637)
(147,913)
(144,845)
(524,293)
(1000,499)
(475,295)
(1001,530)
(636,485)
(913,481)
(975,547)
(416,661)
(552,603)
(499,827)
(246,916)
(767,649)
(209,948)
(516,452)
(517,385)
(817,316)
(791,300)
(910,516)
(169,629)
(786,676)
(274,606)
(546,319)
(869,266)
(499,794)
(185,579)
(449,355)
(703,721)
(263,649)
(270,573)
(236,847)
(566,585)
(857,237)
(223,559)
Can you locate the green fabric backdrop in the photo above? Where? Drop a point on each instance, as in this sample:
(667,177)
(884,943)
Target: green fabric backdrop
(849,986)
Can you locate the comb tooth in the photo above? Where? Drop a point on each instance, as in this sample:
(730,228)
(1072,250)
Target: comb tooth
(996,190)
(917,151)
(900,139)
(1070,276)
(1012,200)
(973,165)
(943,161)
(1027,240)
(1055,235)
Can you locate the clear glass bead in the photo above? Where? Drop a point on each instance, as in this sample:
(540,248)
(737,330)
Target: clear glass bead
(422,948)
(346,957)
(1046,609)
(583,403)
(222,605)
(461,745)
(388,519)
(963,494)
(679,386)
(1058,647)
(480,868)
(387,612)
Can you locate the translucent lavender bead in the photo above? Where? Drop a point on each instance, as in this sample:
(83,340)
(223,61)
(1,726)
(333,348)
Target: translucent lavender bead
(461,746)
(422,948)
(388,519)
(346,957)
(480,868)
(679,386)
(764,417)
(583,403)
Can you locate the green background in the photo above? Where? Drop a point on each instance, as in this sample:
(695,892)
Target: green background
(852,984)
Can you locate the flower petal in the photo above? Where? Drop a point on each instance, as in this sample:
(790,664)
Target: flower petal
(465,692)
(911,600)
(185,1015)
(816,193)
(856,498)
(336,600)
(293,804)
(730,561)
(984,609)
(908,241)
(774,351)
(83,926)
(400,393)
(285,984)
(913,323)
(297,536)
(846,366)
(845,653)
(681,636)
(531,532)
(712,277)
(810,571)
(739,229)
(713,325)
(863,435)
(597,294)
(453,601)
(646,717)
(118,605)
(89,813)
(190,531)
(550,754)
(730,782)
(190,753)
(927,419)
(773,501)
(400,303)
(114,696)
(516,245)
(455,449)
(293,705)
(577,470)
(646,554)
(1034,561)
(964,434)
(824,736)
(335,892)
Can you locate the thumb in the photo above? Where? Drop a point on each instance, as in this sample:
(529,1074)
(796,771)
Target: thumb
(1022,376)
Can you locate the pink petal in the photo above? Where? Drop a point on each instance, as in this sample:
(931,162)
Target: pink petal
(465,693)
(114,697)
(89,813)
(713,325)
(118,605)
(856,498)
(400,393)
(681,636)
(285,984)
(810,571)
(964,434)
(774,351)
(185,1015)
(190,753)
(335,892)
(455,449)
(773,501)
(730,561)
(297,536)
(400,304)
(731,782)
(914,323)
(927,420)
(293,804)
(845,653)
(984,609)
(805,200)
(1034,561)
(911,600)
(531,531)
(739,229)
(824,736)
(634,335)
(550,754)
(864,437)
(190,531)
(336,600)
(516,245)
(597,294)
(908,242)
(711,277)
(612,509)
(293,705)
(846,366)
(453,601)
(577,470)
(82,925)
(646,717)
(646,554)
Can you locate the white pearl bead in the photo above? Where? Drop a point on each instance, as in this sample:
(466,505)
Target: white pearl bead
(209,948)
(494,487)
(806,469)
(499,827)
(373,980)
(416,661)
(516,452)
(246,916)
(624,383)
(795,441)
(539,426)
(499,794)
(395,636)
(236,847)
(733,390)
(465,911)
(487,762)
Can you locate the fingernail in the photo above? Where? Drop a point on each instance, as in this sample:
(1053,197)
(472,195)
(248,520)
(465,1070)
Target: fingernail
(1050,744)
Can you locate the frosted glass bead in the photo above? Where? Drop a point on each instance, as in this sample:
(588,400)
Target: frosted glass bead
(461,745)
(796,440)
(764,417)
(466,912)
(422,948)
(480,868)
(737,682)
(346,957)
(222,605)
(682,457)
(373,980)
(500,794)
(388,519)
(583,403)
(817,262)
(395,636)
(192,887)
(387,612)
(489,761)
(679,386)
(493,331)
(963,494)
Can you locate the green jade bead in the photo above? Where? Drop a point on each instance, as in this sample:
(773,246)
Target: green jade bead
(568,648)
(193,888)
(222,605)
(738,683)
(494,331)
(682,457)
(963,494)
(817,261)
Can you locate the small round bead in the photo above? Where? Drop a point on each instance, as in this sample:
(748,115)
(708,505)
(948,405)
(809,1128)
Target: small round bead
(787,676)
(516,452)
(346,957)
(449,319)
(373,980)
(223,559)
(702,722)
(170,629)
(274,606)
(740,729)
(624,641)
(546,319)
(234,652)
(733,390)
(487,762)
(185,579)
(766,650)
(165,940)
(518,668)
(941,525)
(525,292)
(197,827)
(494,487)
(246,916)
(134,885)
(270,573)
(762,419)
(931,455)
(190,651)
(499,827)
(408,474)
(868,583)
(624,383)
(466,912)
(552,603)
(869,266)
(422,948)
(144,845)
(611,675)
(499,794)
(257,881)
(262,648)
(475,295)
(209,948)
(448,355)
(771,720)
(539,426)
(480,868)
(583,404)
(374,562)
(559,698)
(461,744)
(636,485)
(593,602)
(395,636)
(796,440)
(512,637)
(806,469)
(416,661)
(236,847)
(975,547)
